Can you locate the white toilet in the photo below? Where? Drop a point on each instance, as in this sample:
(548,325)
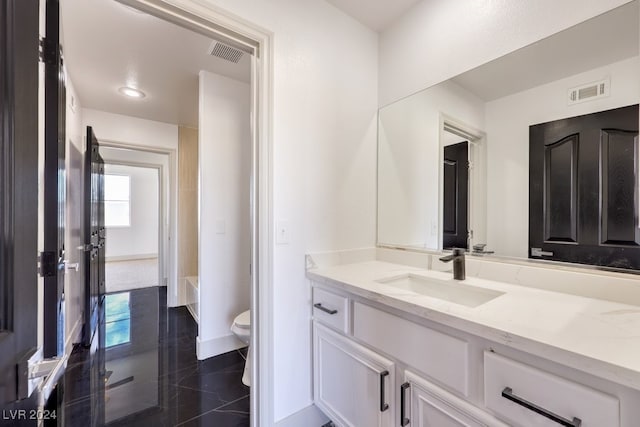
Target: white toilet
(242,329)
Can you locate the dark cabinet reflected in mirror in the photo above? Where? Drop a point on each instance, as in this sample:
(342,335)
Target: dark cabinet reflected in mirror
(583,189)
(455,188)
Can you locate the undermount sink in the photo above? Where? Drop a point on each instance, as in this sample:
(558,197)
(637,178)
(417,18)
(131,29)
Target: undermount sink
(447,290)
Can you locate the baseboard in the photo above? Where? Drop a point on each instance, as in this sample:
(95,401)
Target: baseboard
(310,416)
(130,257)
(216,346)
(74,336)
(193,313)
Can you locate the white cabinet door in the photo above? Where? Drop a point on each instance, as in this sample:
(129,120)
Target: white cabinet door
(352,385)
(424,404)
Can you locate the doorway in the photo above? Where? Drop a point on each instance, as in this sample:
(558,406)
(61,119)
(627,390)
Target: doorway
(132,213)
(120,127)
(256,42)
(462,185)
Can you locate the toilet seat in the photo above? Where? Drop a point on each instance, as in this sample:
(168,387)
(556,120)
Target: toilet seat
(243,320)
(242,330)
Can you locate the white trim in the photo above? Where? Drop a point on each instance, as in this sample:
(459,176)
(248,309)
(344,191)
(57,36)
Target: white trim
(136,257)
(216,346)
(217,21)
(309,416)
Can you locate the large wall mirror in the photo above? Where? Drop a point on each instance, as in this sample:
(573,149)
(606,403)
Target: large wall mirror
(496,156)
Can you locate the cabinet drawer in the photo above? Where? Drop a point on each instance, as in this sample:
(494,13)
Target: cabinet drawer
(442,357)
(331,309)
(506,380)
(429,405)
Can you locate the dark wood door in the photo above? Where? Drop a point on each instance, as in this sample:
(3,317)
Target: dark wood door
(455,228)
(94,230)
(583,189)
(54,184)
(19,195)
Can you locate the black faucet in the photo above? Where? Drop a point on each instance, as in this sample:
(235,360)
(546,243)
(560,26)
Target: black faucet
(458,263)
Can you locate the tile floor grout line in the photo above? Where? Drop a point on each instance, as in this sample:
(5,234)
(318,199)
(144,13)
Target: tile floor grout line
(212,410)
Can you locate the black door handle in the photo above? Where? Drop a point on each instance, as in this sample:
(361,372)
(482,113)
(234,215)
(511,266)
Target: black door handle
(325,309)
(403,418)
(507,393)
(383,405)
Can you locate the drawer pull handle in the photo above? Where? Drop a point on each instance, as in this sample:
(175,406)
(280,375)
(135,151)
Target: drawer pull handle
(383,405)
(403,418)
(507,393)
(325,309)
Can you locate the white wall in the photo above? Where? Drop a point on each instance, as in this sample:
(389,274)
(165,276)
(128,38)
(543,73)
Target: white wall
(131,130)
(146,134)
(74,225)
(439,39)
(408,167)
(224,247)
(324,167)
(140,239)
(507,125)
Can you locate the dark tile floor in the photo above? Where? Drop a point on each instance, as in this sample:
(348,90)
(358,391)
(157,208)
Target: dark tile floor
(142,371)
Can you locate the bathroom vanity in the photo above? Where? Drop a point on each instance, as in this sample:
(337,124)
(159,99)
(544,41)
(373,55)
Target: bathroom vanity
(532,161)
(396,345)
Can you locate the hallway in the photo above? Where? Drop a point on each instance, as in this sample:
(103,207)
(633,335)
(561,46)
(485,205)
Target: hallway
(145,371)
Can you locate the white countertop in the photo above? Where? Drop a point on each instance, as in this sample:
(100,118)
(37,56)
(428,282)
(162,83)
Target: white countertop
(599,337)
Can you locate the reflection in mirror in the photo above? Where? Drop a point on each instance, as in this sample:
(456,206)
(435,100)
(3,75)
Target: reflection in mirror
(455,190)
(462,185)
(410,152)
(497,103)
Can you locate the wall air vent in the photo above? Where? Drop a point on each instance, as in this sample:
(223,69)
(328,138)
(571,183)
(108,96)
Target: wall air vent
(225,52)
(589,92)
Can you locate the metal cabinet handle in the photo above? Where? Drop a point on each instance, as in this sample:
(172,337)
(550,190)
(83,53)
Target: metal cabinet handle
(540,252)
(403,418)
(383,405)
(507,393)
(325,309)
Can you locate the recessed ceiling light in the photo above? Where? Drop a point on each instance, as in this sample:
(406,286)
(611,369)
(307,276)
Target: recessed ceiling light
(131,92)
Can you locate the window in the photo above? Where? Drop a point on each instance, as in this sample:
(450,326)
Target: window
(117,209)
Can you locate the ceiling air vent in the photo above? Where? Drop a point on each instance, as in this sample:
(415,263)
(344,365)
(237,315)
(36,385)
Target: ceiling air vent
(225,52)
(589,91)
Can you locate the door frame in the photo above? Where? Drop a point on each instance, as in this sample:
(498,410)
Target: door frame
(476,203)
(20,214)
(162,209)
(168,239)
(213,21)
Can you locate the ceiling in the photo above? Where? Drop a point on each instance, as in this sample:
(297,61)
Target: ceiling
(608,38)
(107,45)
(375,14)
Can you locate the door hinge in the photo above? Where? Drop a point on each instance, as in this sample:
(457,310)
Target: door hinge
(48,51)
(48,264)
